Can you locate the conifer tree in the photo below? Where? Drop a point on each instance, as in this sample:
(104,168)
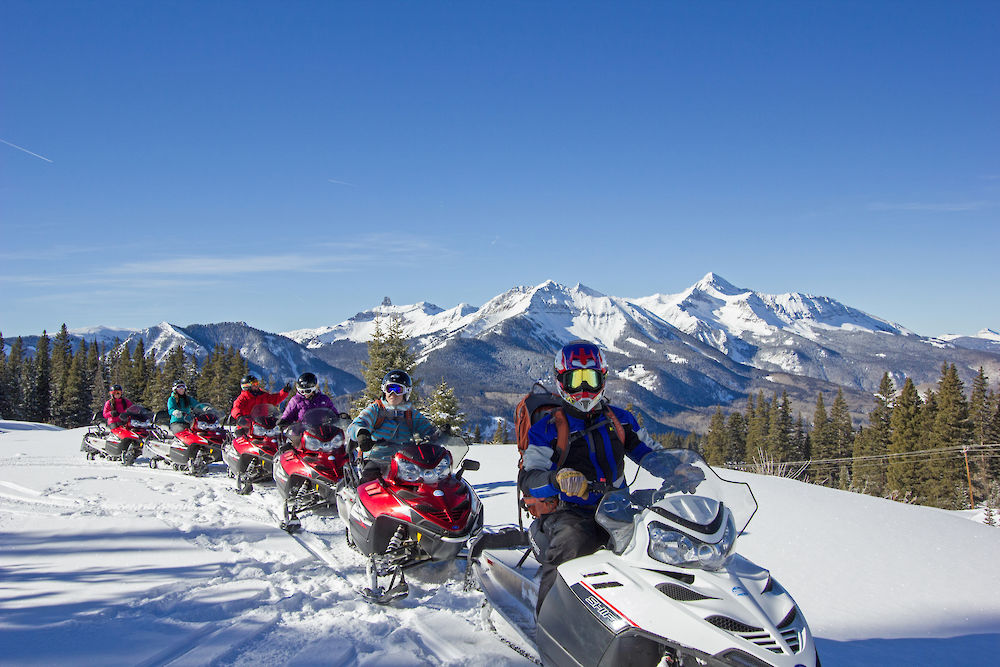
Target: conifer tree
(949,429)
(869,473)
(501,435)
(387,350)
(843,437)
(6,385)
(477,434)
(97,381)
(62,353)
(980,413)
(15,372)
(73,399)
(903,473)
(757,427)
(38,394)
(736,438)
(779,430)
(716,439)
(822,442)
(441,408)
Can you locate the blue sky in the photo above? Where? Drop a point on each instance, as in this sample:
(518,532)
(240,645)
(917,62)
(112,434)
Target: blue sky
(289,164)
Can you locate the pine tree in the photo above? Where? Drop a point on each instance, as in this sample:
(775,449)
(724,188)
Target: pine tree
(822,442)
(501,435)
(716,439)
(779,430)
(97,380)
(736,438)
(38,392)
(62,353)
(949,429)
(387,350)
(441,408)
(758,422)
(869,473)
(477,434)
(73,399)
(979,408)
(843,437)
(6,385)
(903,473)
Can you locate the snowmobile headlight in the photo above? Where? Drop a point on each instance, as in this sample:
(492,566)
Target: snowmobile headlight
(674,548)
(407,471)
(263,432)
(438,472)
(670,547)
(337,442)
(145,424)
(310,442)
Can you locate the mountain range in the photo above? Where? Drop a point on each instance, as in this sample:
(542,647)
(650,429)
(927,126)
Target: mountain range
(674,356)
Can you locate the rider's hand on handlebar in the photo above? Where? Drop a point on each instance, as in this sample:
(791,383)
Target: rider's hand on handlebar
(364,440)
(572,482)
(687,477)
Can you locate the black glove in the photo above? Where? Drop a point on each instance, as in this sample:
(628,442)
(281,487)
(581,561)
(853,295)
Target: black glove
(364,440)
(287,388)
(282,423)
(446,429)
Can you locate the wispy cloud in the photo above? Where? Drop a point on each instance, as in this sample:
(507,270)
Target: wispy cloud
(953,207)
(40,157)
(336,182)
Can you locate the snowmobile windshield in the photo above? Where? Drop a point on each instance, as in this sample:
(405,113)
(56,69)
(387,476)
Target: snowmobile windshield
(454,444)
(320,429)
(138,415)
(207,416)
(693,497)
(265,414)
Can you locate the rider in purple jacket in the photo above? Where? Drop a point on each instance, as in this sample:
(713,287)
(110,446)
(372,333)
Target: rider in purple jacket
(307,397)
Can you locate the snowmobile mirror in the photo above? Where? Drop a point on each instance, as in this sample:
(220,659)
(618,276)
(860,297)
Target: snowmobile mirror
(469,464)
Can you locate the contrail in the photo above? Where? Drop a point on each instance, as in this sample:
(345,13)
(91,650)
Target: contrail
(41,157)
(335,181)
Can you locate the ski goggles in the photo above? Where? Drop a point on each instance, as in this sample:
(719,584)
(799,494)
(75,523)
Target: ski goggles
(393,388)
(306,391)
(247,385)
(582,378)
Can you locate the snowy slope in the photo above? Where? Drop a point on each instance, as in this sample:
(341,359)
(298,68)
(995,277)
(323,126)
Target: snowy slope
(108,565)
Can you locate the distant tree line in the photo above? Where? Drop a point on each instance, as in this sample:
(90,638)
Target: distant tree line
(65,386)
(936,449)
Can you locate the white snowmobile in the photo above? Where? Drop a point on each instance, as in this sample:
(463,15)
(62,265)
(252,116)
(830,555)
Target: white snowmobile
(668,590)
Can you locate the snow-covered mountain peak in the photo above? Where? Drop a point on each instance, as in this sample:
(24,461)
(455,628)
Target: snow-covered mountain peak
(713,283)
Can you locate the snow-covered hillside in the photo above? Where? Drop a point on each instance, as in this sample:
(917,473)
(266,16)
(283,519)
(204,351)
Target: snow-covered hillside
(103,564)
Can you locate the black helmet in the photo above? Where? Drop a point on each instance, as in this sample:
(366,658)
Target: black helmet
(248,381)
(306,384)
(115,387)
(179,384)
(397,382)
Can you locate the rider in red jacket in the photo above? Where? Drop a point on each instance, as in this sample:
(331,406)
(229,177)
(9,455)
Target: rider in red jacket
(252,395)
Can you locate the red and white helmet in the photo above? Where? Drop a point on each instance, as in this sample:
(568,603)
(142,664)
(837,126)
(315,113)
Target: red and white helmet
(580,372)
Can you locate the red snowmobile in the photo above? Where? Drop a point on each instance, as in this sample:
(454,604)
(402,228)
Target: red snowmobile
(194,448)
(310,464)
(250,455)
(414,513)
(122,442)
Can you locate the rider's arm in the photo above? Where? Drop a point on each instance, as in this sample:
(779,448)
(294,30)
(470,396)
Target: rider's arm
(365,420)
(291,412)
(537,475)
